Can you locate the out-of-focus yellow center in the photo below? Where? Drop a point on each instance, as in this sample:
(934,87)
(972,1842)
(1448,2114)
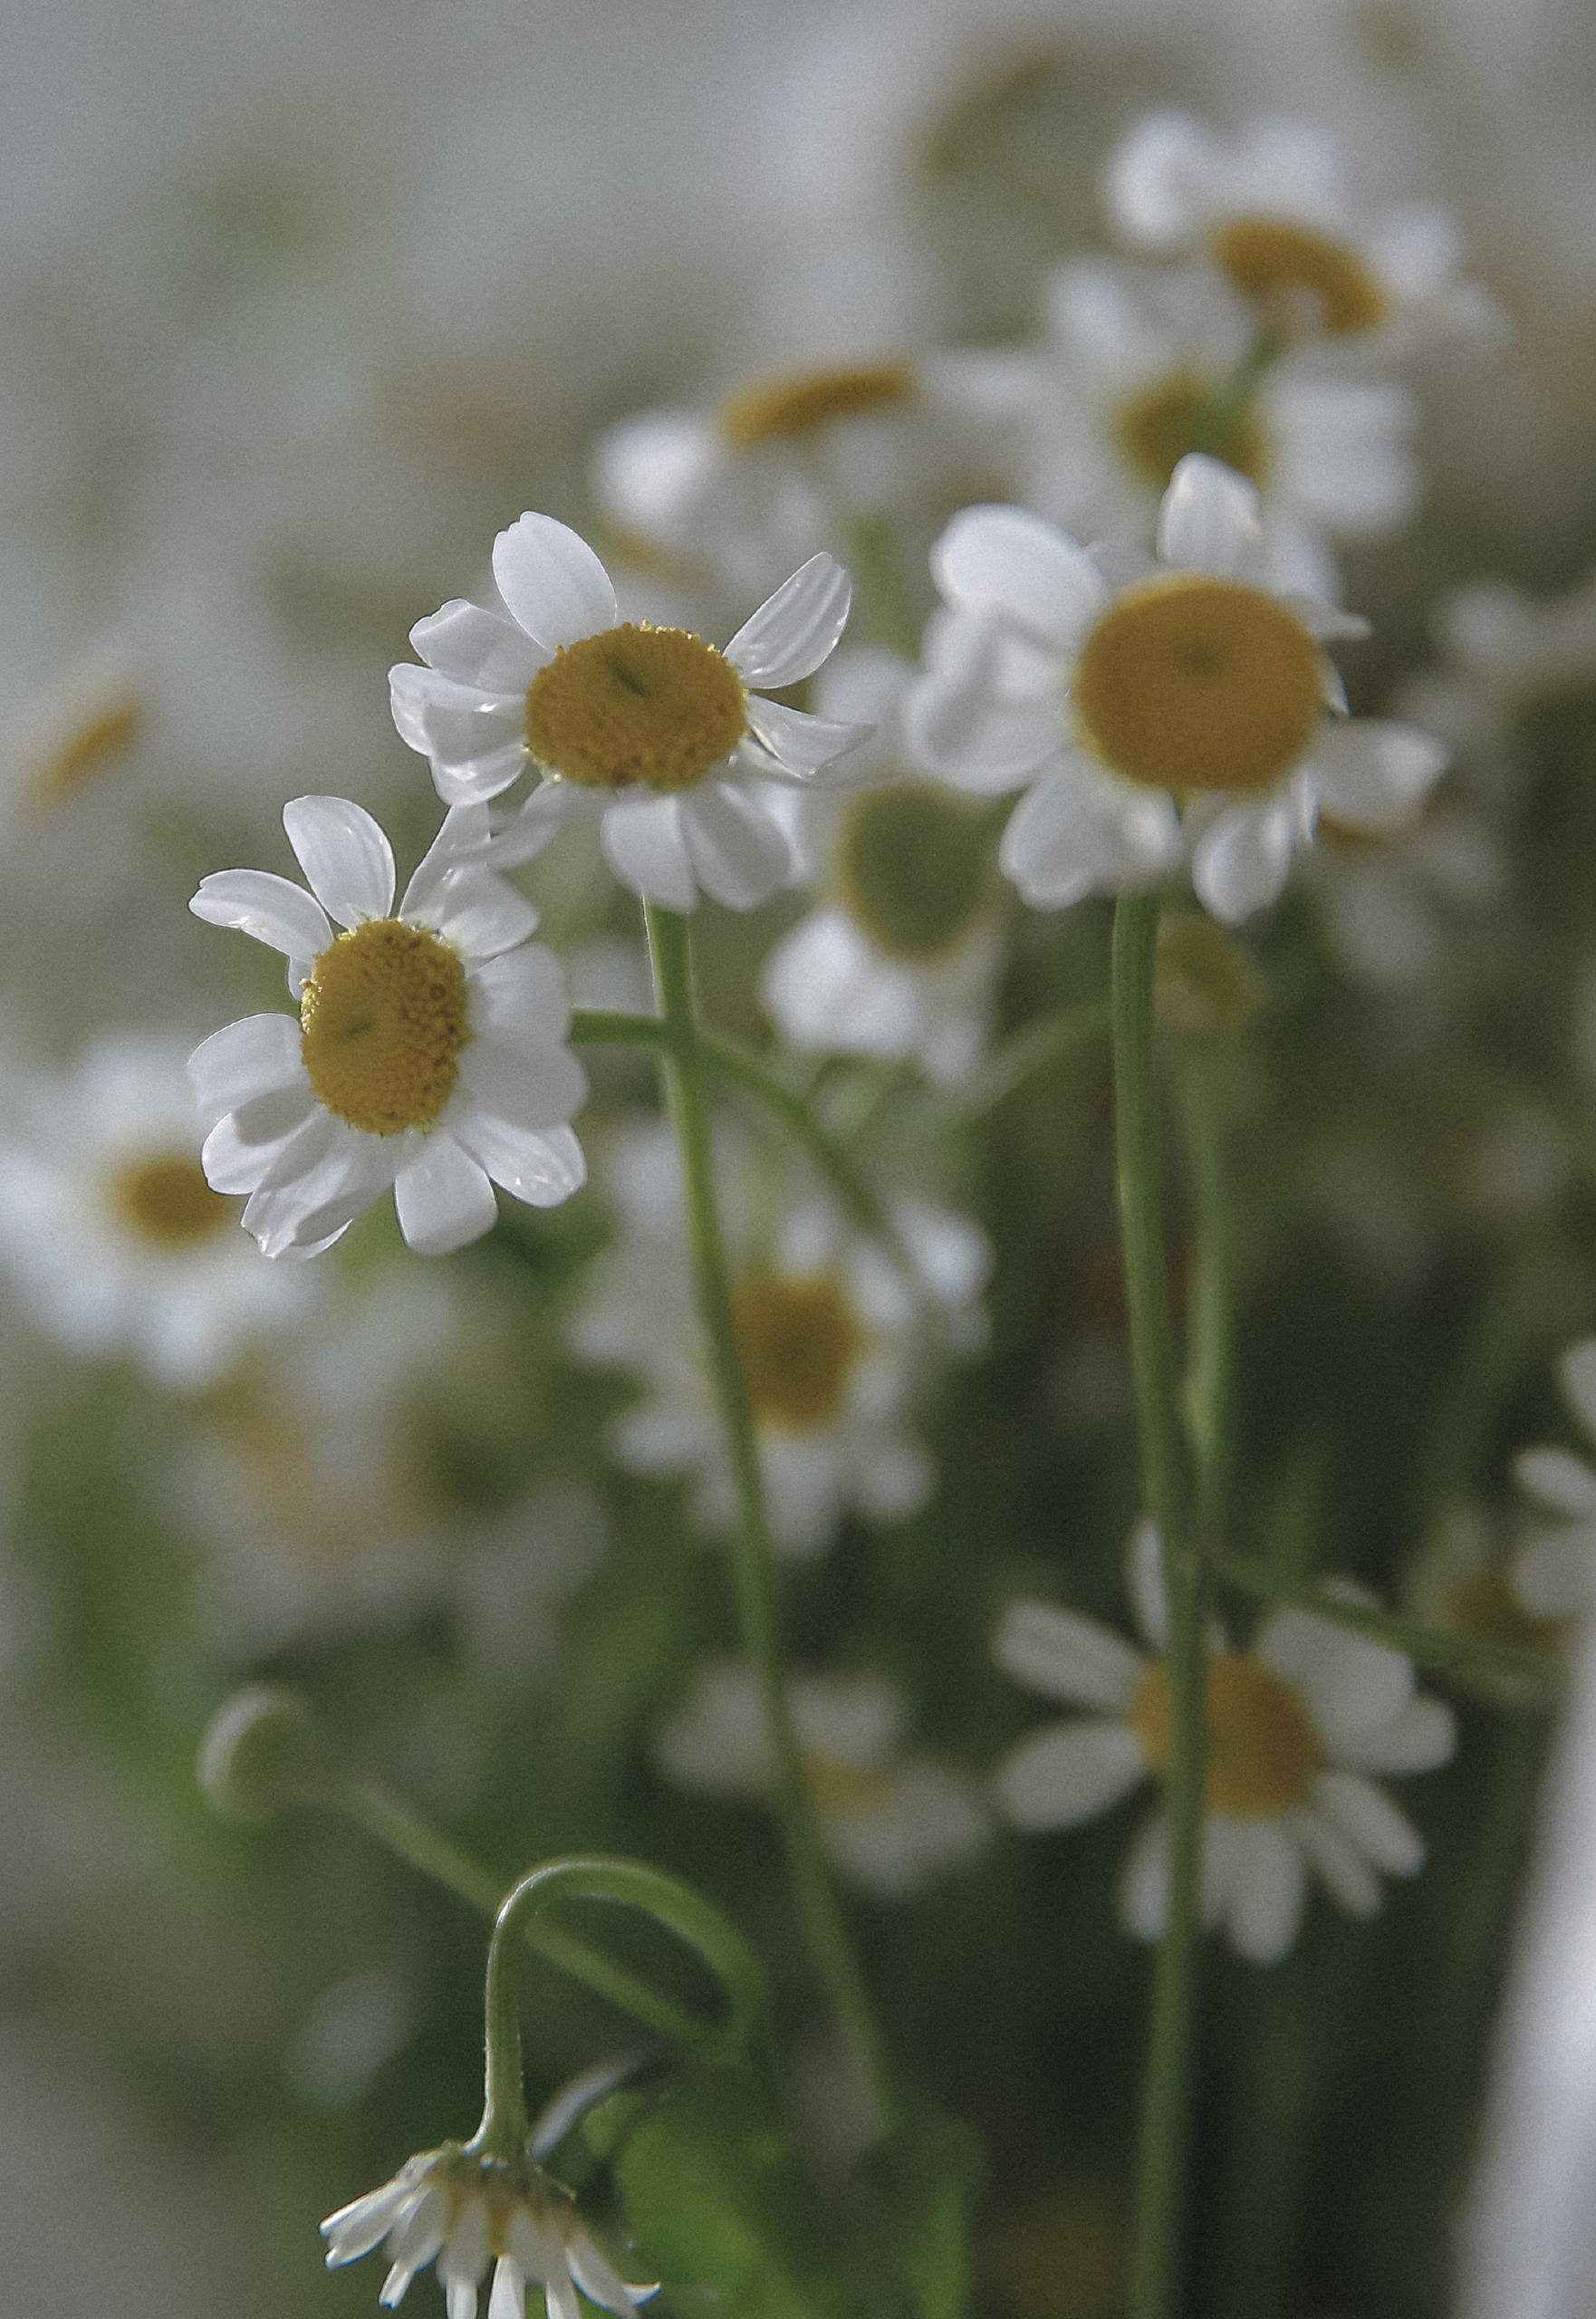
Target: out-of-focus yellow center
(96,740)
(1298,278)
(845,1791)
(801,402)
(636,703)
(1191,683)
(800,1339)
(1156,429)
(164,1199)
(1263,1751)
(1483,1604)
(912,865)
(382,1022)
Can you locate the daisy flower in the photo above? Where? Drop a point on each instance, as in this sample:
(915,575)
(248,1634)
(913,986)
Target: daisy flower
(1393,909)
(900,957)
(462,2210)
(428,1055)
(834,1340)
(654,731)
(1463,1581)
(113,1236)
(893,1822)
(1272,210)
(1553,1576)
(1295,1724)
(1153,710)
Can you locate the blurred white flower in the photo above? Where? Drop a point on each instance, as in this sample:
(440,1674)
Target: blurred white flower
(835,1342)
(653,731)
(1554,1573)
(1398,909)
(114,1238)
(900,955)
(1294,1723)
(893,1822)
(1152,709)
(430,1054)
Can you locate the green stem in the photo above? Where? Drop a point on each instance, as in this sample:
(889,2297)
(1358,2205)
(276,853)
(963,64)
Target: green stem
(1039,1044)
(1209,1331)
(825,1933)
(887,615)
(1219,425)
(1156,2257)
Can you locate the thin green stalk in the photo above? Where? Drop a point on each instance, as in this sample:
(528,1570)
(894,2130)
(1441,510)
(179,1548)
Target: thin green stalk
(889,617)
(1039,1044)
(830,1951)
(1220,424)
(1209,1328)
(1167,2093)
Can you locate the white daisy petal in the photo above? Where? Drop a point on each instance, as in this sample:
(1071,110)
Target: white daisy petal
(1349,1684)
(507,2297)
(1144,1579)
(299,1205)
(1554,1577)
(599,2281)
(1331,1850)
(242,1148)
(553,583)
(1419,1739)
(1068,1772)
(560,2292)
(444,1199)
(1366,1813)
(1266,1896)
(479,914)
(269,909)
(1559,1480)
(254,1056)
(958,726)
(1240,863)
(473,781)
(397,2286)
(643,841)
(543,1170)
(551,806)
(1374,775)
(801,744)
(1075,834)
(420,2231)
(357,2228)
(477,646)
(346,860)
(456,724)
(1208,520)
(1006,561)
(1158,177)
(521,996)
(1144,1883)
(1065,1657)
(739,854)
(460,2298)
(461,842)
(529,1087)
(795,630)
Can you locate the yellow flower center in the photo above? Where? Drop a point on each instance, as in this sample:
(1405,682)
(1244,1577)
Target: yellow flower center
(101,734)
(801,402)
(166,1201)
(845,1791)
(1263,1751)
(636,703)
(1156,429)
(1295,275)
(800,1339)
(1188,683)
(382,1022)
(913,869)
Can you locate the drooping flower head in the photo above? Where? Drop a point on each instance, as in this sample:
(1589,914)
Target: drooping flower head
(1154,710)
(428,1055)
(655,731)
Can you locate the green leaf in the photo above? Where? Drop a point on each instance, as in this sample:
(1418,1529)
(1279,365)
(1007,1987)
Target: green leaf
(912,2200)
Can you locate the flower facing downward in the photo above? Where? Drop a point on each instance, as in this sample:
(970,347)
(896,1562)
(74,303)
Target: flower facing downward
(1152,709)
(463,2210)
(1294,1725)
(428,1055)
(654,731)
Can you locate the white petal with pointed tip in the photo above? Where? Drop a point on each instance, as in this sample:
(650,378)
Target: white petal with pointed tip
(795,630)
(1208,520)
(444,1199)
(643,841)
(1242,860)
(541,1168)
(477,646)
(269,909)
(251,1057)
(553,583)
(1069,1773)
(739,854)
(1066,1657)
(1265,1900)
(347,859)
(1006,561)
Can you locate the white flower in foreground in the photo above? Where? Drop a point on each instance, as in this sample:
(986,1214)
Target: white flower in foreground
(893,1822)
(428,1055)
(1138,369)
(654,731)
(1274,210)
(1295,1724)
(1555,1574)
(1152,710)
(463,2211)
(110,1229)
(900,955)
(836,1342)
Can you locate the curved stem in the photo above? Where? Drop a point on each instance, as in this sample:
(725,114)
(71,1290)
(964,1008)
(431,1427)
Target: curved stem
(752,1557)
(1167,2087)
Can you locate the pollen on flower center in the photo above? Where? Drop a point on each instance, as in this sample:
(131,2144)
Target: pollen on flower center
(801,402)
(636,703)
(164,1199)
(844,1791)
(912,867)
(799,1338)
(1296,277)
(382,1022)
(1263,1751)
(1158,426)
(1188,683)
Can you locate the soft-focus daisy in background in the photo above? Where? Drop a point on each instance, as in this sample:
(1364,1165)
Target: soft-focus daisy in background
(1274,210)
(1463,1581)
(430,1054)
(1555,1573)
(899,955)
(836,1342)
(654,732)
(1397,909)
(115,1241)
(892,1820)
(1296,1722)
(1152,710)
(1503,656)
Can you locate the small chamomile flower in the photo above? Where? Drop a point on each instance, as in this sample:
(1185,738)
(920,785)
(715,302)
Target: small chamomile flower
(462,2210)
(1153,710)
(654,731)
(1463,1581)
(900,954)
(1295,1723)
(428,1056)
(110,1230)
(1553,1574)
(1393,908)
(893,1822)
(1273,209)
